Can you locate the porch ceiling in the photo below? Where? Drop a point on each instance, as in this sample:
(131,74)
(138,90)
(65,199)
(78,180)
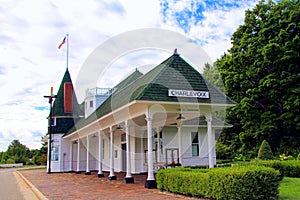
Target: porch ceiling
(135,113)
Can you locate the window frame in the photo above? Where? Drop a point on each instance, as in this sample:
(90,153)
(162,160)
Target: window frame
(195,143)
(55,153)
(91,103)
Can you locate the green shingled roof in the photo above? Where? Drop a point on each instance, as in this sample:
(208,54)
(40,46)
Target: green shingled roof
(58,104)
(128,80)
(173,73)
(106,105)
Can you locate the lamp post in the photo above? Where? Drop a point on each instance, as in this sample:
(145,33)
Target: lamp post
(51,97)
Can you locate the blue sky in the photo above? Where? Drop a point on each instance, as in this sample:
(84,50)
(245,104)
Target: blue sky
(31,31)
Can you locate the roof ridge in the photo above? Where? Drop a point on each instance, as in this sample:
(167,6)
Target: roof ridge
(163,66)
(127,85)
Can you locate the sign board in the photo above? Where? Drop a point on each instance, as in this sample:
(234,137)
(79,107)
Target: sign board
(188,93)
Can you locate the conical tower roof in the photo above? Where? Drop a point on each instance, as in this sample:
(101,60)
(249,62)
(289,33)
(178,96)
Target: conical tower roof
(59,104)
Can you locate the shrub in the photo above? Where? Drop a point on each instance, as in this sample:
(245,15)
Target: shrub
(288,168)
(10,161)
(285,157)
(243,182)
(299,156)
(42,159)
(222,150)
(265,152)
(29,162)
(239,157)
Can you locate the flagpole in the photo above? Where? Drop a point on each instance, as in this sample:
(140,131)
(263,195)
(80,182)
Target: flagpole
(67,61)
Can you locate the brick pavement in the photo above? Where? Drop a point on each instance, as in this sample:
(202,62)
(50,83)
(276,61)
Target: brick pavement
(80,186)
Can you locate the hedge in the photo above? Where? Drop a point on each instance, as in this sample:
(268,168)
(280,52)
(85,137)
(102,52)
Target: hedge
(243,182)
(287,168)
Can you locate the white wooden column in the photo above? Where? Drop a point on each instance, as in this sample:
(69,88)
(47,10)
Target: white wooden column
(214,146)
(78,157)
(128,178)
(210,141)
(87,171)
(150,182)
(111,171)
(71,156)
(100,173)
(179,124)
(142,154)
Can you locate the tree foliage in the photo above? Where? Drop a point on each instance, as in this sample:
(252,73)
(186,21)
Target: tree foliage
(212,74)
(18,152)
(265,151)
(261,73)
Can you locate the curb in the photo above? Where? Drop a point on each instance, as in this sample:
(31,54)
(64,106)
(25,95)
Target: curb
(36,192)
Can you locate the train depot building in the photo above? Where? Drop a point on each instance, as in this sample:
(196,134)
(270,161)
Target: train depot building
(163,118)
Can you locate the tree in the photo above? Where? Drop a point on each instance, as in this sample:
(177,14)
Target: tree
(18,152)
(40,156)
(212,74)
(261,73)
(265,151)
(2,157)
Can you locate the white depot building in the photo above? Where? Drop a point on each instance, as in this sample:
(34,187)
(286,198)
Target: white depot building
(146,122)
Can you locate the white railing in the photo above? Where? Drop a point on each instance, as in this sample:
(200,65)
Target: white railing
(99,91)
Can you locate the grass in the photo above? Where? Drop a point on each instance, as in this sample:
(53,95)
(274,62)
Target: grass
(289,189)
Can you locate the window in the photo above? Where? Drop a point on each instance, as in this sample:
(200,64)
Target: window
(54,153)
(91,104)
(195,144)
(123,137)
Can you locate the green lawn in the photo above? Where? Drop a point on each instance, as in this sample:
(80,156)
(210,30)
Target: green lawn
(289,189)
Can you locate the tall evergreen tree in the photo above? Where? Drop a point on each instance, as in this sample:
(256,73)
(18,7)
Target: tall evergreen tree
(265,152)
(18,152)
(261,73)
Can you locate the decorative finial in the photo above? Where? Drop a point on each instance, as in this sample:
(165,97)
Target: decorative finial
(175,52)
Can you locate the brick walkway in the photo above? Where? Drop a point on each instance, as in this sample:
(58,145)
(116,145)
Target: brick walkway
(80,186)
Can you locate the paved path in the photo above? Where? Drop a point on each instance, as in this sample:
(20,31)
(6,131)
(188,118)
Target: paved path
(12,187)
(89,187)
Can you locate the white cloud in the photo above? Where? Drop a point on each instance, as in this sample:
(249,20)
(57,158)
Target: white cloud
(213,27)
(30,61)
